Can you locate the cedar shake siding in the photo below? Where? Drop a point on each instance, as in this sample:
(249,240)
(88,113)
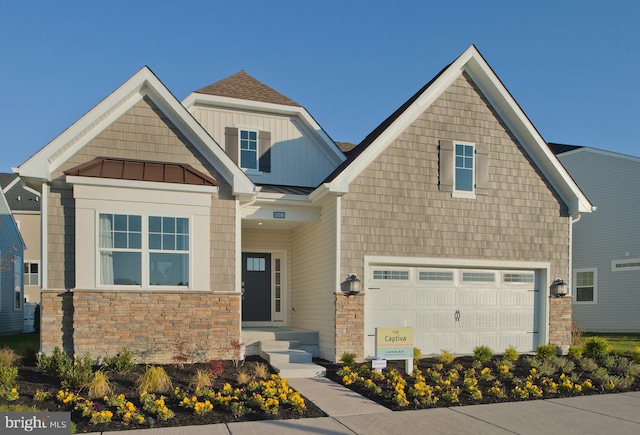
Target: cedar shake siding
(395,207)
(142,133)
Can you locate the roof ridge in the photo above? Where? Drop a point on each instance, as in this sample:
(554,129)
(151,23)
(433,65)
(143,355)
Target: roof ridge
(243,86)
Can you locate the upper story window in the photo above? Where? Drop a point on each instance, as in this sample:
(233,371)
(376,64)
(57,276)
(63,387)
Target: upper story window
(249,149)
(463,169)
(585,285)
(143,251)
(464,179)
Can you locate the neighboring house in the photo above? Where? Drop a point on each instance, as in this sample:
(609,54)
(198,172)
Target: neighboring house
(606,247)
(234,209)
(25,207)
(11,290)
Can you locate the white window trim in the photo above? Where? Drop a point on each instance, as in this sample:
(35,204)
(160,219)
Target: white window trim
(471,194)
(624,269)
(39,272)
(145,253)
(93,200)
(595,286)
(255,130)
(18,269)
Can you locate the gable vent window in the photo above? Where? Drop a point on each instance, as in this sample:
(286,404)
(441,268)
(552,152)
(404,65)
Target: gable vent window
(625,265)
(402,275)
(478,276)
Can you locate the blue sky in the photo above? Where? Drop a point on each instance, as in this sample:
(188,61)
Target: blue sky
(571,65)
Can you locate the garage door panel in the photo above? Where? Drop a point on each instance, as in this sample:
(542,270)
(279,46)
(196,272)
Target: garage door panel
(457,313)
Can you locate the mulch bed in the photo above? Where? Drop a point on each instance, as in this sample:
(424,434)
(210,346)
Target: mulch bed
(31,378)
(520,370)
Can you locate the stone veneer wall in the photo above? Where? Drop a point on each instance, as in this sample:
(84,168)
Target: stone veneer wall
(560,323)
(350,325)
(147,323)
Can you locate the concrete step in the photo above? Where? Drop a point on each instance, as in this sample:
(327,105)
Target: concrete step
(286,356)
(299,370)
(273,345)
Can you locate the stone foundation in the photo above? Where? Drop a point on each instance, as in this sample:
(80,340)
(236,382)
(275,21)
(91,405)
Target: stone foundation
(560,310)
(153,325)
(350,325)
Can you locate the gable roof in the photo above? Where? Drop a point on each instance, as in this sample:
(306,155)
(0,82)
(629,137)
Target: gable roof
(559,148)
(8,224)
(19,197)
(570,150)
(143,84)
(242,91)
(139,170)
(474,65)
(245,87)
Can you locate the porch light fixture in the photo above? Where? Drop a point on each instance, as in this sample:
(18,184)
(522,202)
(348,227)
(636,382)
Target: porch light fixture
(559,288)
(353,284)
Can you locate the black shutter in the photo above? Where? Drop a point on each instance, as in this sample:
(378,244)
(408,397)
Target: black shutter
(264,146)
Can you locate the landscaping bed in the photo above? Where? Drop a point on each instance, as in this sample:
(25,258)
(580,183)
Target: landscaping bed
(229,398)
(442,382)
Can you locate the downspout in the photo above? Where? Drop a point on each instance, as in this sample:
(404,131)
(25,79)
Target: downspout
(572,220)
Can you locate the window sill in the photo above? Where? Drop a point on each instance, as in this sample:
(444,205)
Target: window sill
(463,194)
(252,172)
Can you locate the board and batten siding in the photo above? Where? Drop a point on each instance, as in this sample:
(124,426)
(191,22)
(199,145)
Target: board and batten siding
(313,278)
(142,133)
(11,320)
(612,183)
(296,159)
(395,208)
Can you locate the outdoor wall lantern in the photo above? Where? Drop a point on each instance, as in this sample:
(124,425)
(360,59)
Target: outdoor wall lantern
(559,288)
(353,285)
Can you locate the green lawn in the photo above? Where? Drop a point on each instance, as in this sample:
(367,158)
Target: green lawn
(621,343)
(22,344)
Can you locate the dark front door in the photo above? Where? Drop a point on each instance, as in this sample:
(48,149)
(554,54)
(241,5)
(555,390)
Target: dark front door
(256,278)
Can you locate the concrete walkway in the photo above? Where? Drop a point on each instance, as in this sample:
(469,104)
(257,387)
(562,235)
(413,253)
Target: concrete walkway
(349,414)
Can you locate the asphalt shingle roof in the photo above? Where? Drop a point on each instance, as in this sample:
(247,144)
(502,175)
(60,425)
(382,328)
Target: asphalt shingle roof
(243,86)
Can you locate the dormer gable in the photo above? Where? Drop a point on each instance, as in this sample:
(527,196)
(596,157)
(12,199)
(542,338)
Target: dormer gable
(272,138)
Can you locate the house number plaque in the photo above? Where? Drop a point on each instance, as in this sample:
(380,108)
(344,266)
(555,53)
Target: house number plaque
(279,215)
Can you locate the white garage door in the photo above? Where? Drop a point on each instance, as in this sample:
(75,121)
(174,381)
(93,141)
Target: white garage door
(454,309)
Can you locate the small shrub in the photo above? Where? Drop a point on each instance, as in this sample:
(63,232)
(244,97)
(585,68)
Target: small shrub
(482,354)
(511,354)
(243,377)
(99,385)
(445,357)
(348,359)
(8,376)
(79,374)
(575,352)
(505,362)
(417,353)
(8,357)
(546,351)
(565,365)
(216,367)
(201,379)
(122,362)
(56,364)
(635,355)
(596,347)
(588,364)
(261,371)
(155,379)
